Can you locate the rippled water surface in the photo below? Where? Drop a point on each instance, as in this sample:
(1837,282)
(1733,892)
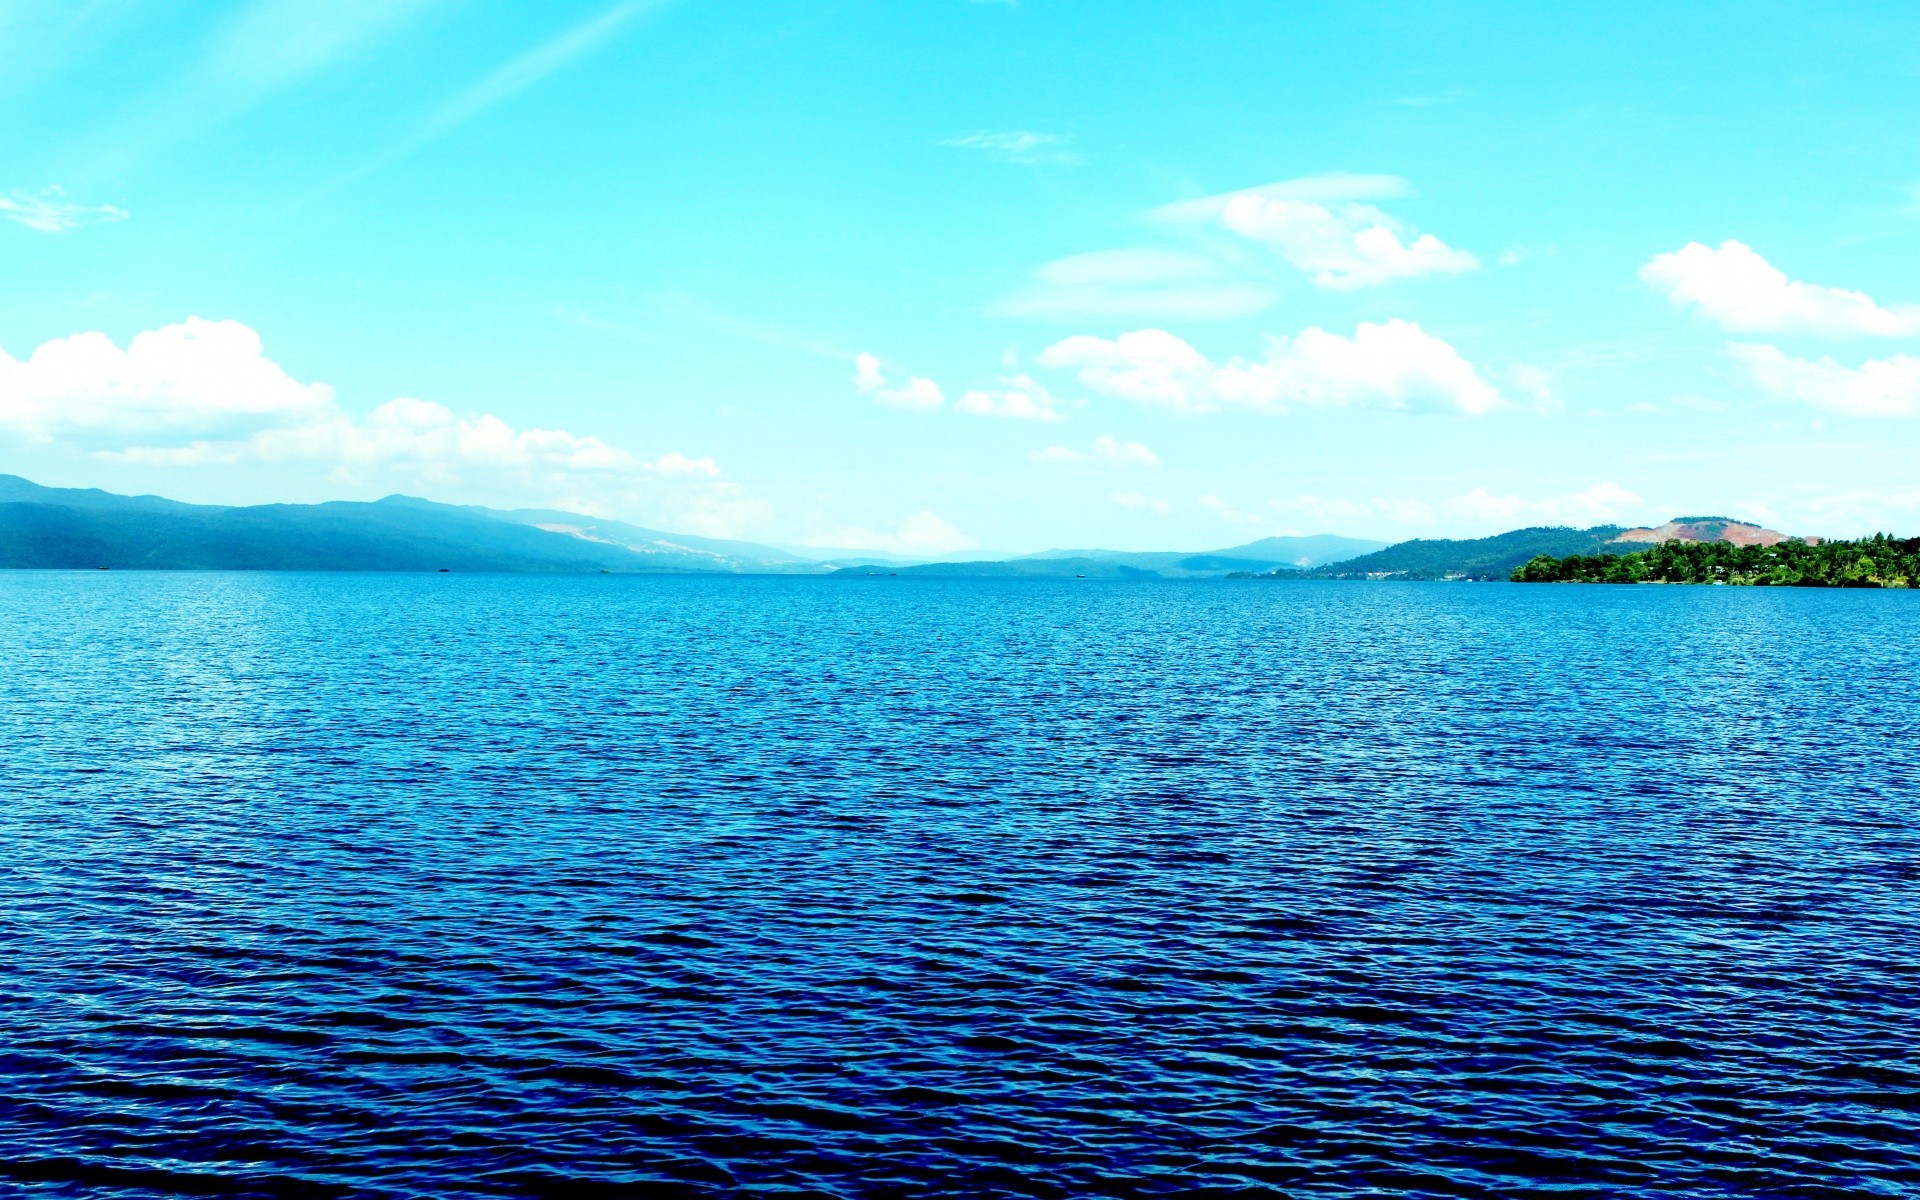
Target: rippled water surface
(488,886)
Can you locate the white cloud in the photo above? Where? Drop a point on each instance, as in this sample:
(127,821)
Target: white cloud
(1319,226)
(1888,387)
(1142,503)
(204,392)
(1313,188)
(199,377)
(915,393)
(1739,290)
(680,464)
(1137,282)
(49,211)
(1019,146)
(1394,365)
(921,534)
(1020,398)
(1148,365)
(427,438)
(1106,451)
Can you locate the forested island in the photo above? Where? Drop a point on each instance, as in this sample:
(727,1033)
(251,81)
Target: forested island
(1877,561)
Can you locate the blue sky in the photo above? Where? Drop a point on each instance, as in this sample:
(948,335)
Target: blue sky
(949,275)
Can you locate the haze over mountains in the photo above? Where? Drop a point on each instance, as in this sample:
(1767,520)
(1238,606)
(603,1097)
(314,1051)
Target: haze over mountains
(42,527)
(88,528)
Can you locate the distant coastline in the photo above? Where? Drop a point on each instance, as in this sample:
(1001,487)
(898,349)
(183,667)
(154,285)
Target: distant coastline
(86,529)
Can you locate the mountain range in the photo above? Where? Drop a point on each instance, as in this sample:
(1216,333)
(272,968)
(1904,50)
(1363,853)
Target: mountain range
(43,527)
(71,527)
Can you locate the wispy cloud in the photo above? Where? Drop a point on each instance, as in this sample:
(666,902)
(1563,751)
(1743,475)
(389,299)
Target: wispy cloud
(42,38)
(273,43)
(49,211)
(1884,387)
(1137,282)
(1020,146)
(523,72)
(535,65)
(267,47)
(1106,451)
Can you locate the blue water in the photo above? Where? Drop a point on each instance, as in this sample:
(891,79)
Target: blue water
(458,886)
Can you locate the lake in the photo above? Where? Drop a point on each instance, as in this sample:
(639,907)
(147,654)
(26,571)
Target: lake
(447,886)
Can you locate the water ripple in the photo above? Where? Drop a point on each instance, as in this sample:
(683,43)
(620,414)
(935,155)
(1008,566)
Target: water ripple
(445,887)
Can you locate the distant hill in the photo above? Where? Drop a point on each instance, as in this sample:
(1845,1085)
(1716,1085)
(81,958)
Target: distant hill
(1474,558)
(86,528)
(1016,568)
(1265,554)
(1497,557)
(1705,529)
(1268,554)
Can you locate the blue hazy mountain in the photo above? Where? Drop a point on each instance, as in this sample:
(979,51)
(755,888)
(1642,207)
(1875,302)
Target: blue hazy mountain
(1301,553)
(1265,555)
(74,527)
(86,528)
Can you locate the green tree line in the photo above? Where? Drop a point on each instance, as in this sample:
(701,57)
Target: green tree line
(1877,561)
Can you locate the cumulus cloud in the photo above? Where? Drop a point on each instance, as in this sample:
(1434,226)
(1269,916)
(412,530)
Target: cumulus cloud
(1320,226)
(198,377)
(1394,365)
(915,393)
(204,392)
(1019,146)
(1105,451)
(1142,503)
(1020,398)
(1739,290)
(49,211)
(921,534)
(1137,282)
(1887,387)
